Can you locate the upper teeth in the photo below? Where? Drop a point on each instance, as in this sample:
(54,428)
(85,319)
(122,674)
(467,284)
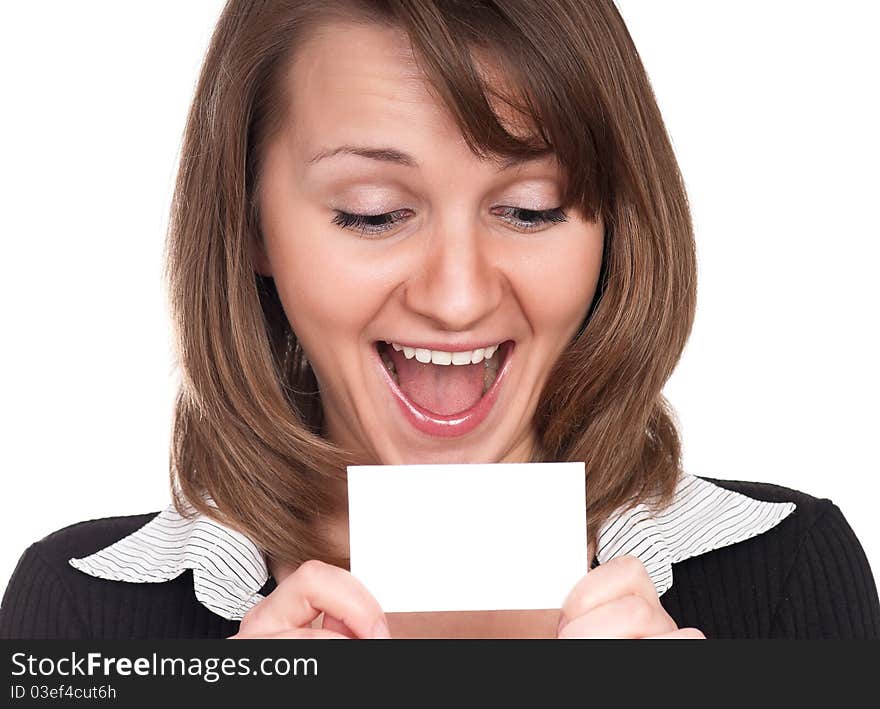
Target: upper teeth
(441,357)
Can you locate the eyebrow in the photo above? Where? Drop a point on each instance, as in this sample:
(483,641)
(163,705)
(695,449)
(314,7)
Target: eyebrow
(398,157)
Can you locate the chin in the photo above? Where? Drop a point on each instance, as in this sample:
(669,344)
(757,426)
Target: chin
(443,452)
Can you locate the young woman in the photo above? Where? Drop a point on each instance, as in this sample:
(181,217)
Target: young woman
(429,231)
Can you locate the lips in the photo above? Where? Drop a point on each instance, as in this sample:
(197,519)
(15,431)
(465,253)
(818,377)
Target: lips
(456,424)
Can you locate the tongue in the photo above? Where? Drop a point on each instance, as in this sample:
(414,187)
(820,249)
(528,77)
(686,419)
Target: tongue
(441,389)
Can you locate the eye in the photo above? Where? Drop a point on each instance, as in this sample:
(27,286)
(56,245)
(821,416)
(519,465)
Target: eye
(531,219)
(370,225)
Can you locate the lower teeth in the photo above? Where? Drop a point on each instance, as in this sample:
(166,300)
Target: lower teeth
(491,371)
(489,374)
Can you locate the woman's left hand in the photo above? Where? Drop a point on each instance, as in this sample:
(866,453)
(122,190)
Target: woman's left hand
(618,600)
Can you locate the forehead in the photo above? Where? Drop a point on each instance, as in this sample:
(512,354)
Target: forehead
(349,81)
(361,84)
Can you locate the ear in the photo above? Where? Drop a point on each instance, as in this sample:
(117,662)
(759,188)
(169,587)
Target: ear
(259,258)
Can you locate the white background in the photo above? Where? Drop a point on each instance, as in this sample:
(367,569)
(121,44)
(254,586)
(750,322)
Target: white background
(772,108)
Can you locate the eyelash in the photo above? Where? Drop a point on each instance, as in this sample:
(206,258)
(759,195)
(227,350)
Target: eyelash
(361,222)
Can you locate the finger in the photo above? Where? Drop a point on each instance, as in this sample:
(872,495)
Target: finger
(622,576)
(315,587)
(625,617)
(681,634)
(335,625)
(293,634)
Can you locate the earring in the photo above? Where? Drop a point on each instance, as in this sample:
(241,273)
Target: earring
(288,349)
(291,346)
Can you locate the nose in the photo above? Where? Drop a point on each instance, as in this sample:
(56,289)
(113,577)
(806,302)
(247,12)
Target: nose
(457,283)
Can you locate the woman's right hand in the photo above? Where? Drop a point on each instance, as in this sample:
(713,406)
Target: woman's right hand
(350,611)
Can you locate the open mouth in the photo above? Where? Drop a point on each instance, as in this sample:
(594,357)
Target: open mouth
(444,393)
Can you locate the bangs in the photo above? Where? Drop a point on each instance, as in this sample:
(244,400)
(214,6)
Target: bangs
(517,87)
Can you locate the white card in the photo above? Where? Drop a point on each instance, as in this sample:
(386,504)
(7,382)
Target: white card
(502,536)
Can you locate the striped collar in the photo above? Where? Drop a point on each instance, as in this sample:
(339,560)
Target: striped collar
(229,571)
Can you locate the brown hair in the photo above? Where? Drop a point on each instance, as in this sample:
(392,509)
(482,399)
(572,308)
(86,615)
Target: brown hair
(248,415)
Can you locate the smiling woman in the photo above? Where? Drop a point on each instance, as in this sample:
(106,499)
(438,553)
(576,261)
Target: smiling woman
(435,232)
(437,253)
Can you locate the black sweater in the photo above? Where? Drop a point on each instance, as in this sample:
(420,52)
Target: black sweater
(807,577)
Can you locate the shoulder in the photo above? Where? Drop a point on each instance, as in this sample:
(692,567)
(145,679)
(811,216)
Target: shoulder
(766,491)
(49,556)
(808,576)
(808,511)
(813,517)
(86,537)
(46,597)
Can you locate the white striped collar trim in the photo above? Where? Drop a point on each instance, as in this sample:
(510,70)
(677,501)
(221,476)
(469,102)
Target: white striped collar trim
(229,571)
(702,517)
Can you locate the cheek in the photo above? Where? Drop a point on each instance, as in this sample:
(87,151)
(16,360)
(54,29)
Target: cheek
(557,286)
(328,293)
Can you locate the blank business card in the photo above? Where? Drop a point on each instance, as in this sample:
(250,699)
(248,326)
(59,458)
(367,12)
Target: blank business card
(500,536)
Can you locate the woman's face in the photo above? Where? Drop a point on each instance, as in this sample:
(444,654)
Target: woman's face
(458,255)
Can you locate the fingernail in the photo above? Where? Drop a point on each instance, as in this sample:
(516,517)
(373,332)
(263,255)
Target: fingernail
(381,631)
